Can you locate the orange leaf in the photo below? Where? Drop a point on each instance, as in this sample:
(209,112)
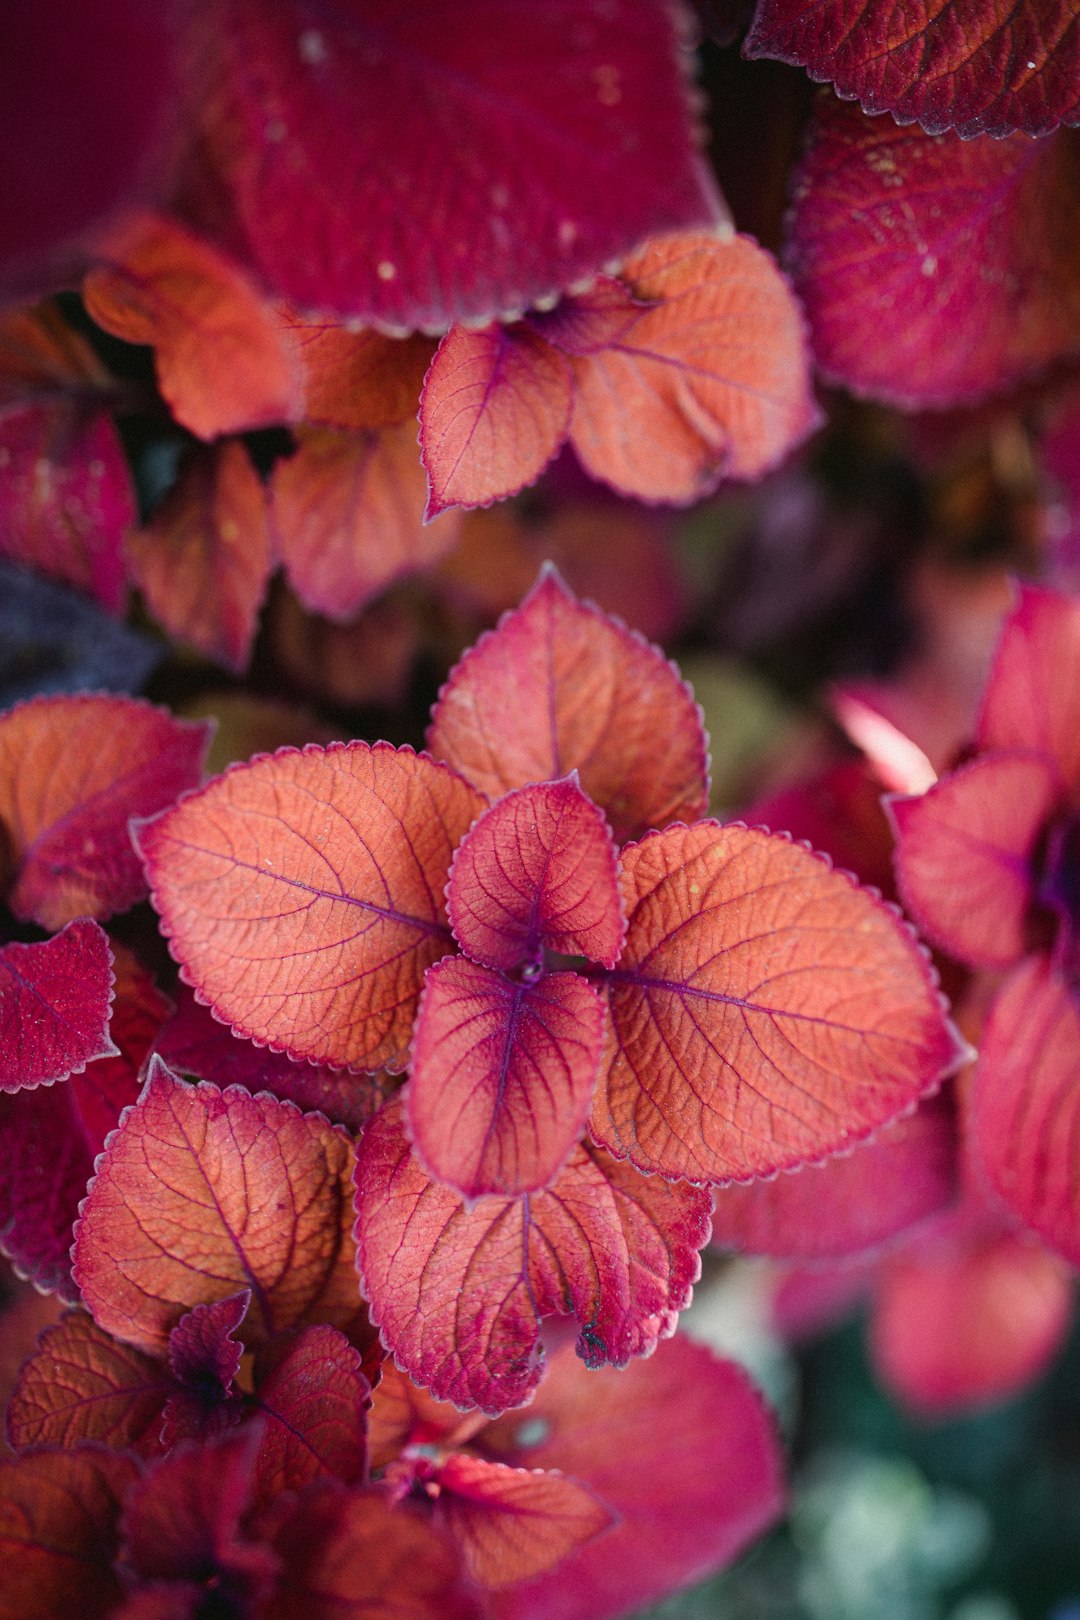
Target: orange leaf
(203,560)
(495,409)
(357,379)
(82,1384)
(348,509)
(201,1193)
(714,382)
(766,1011)
(514,1523)
(303,894)
(223,363)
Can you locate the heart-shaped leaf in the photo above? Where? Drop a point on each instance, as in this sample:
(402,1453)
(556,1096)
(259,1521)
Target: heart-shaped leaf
(766,1010)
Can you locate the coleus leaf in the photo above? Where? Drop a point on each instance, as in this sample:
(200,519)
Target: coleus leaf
(967,1315)
(202,1193)
(82,1384)
(850,1204)
(49,1137)
(1032,696)
(966,855)
(460,1294)
(357,379)
(66,496)
(303,894)
(72,772)
(55,1004)
(495,409)
(537,873)
(987,68)
(502,1076)
(513,1524)
(1025,1101)
(766,1010)
(348,512)
(203,560)
(715,375)
(560,686)
(397,117)
(201,1345)
(315,1402)
(707,1475)
(58,1537)
(193,1043)
(348,1555)
(889,219)
(223,363)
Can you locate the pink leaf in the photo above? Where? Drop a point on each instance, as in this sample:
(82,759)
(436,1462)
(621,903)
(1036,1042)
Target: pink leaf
(349,517)
(203,561)
(460,1294)
(1032,697)
(850,1204)
(537,873)
(966,857)
(765,1012)
(315,1401)
(502,1076)
(1026,1101)
(494,411)
(55,1001)
(303,894)
(548,141)
(981,69)
(202,1193)
(961,237)
(706,1476)
(513,1524)
(560,686)
(73,770)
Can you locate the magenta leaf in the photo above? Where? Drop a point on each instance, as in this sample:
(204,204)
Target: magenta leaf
(1032,697)
(202,1350)
(460,1294)
(537,873)
(502,1076)
(550,140)
(933,270)
(976,66)
(55,1002)
(966,857)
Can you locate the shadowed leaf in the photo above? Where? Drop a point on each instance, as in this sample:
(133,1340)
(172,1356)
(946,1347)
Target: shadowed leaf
(357,379)
(315,1403)
(513,1524)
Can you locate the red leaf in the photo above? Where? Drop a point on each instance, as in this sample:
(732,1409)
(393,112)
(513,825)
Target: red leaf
(194,1043)
(103,1090)
(969,1315)
(349,517)
(349,1555)
(315,1401)
(72,772)
(223,363)
(81,1384)
(981,69)
(766,1011)
(850,1204)
(548,142)
(494,411)
(964,238)
(537,873)
(357,379)
(1032,697)
(203,560)
(65,491)
(58,1512)
(682,1448)
(560,686)
(1026,1101)
(460,1294)
(55,1001)
(966,855)
(714,380)
(502,1076)
(202,1193)
(303,894)
(513,1524)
